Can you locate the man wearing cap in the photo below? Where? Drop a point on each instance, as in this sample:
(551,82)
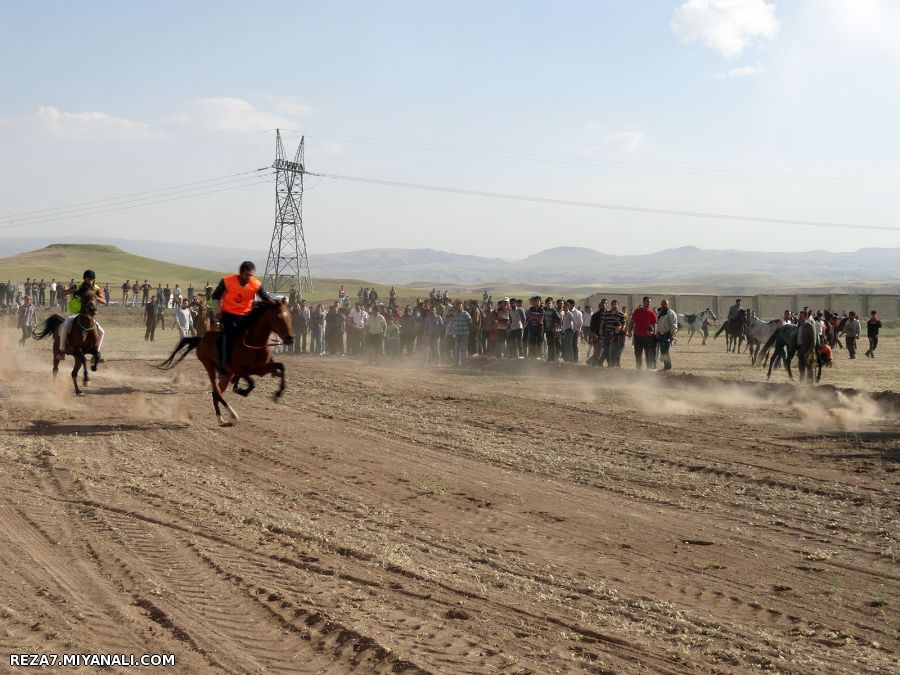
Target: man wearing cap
(234,300)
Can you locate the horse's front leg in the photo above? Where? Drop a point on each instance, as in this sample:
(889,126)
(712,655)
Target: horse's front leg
(75,369)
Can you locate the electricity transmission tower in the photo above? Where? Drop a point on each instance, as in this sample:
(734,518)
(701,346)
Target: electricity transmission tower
(287,264)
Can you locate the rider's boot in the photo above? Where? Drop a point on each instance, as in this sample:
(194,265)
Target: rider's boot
(223,355)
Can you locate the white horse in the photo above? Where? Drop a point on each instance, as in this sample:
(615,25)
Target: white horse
(697,323)
(758,333)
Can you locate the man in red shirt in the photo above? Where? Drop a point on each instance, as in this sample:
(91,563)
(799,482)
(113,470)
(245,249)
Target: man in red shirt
(642,327)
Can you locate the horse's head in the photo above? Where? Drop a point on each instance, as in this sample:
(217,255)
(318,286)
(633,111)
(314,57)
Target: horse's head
(89,306)
(280,321)
(709,315)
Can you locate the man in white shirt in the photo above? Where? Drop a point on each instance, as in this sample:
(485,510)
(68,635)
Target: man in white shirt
(184,319)
(358,319)
(376,327)
(571,324)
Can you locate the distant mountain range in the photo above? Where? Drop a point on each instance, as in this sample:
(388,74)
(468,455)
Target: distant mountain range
(688,267)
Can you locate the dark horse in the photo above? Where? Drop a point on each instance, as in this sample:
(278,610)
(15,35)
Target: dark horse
(784,340)
(81,341)
(735,331)
(251,354)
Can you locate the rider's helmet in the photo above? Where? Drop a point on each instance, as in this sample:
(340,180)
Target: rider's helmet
(89,274)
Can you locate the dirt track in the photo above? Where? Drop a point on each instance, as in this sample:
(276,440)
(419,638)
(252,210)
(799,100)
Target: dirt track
(490,520)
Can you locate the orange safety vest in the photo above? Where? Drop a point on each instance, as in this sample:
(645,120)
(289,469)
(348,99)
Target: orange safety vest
(238,299)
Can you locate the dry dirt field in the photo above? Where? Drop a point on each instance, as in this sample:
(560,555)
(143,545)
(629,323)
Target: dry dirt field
(508,517)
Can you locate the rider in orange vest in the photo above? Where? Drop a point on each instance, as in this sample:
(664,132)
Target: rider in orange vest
(234,297)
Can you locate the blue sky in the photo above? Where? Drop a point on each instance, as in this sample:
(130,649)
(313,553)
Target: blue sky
(750,107)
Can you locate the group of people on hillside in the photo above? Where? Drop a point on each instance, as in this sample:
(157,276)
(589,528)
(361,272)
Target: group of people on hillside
(163,295)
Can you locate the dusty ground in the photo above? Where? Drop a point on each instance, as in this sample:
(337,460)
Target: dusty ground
(496,519)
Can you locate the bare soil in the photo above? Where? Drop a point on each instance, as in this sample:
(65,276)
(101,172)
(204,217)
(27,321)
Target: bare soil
(507,517)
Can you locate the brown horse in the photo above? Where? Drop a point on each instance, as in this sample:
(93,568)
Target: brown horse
(81,341)
(201,321)
(251,354)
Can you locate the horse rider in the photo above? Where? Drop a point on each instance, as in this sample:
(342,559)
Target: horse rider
(734,312)
(76,295)
(234,300)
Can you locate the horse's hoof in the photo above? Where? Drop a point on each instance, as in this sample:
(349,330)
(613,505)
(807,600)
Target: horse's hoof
(79,393)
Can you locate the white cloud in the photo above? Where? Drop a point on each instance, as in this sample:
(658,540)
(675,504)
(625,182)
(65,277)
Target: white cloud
(225,115)
(727,26)
(743,71)
(593,127)
(80,126)
(283,105)
(622,141)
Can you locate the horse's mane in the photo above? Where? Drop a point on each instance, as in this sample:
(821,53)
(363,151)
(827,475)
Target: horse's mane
(251,317)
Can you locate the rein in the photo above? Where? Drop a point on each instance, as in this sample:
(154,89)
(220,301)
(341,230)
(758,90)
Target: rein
(83,329)
(268,344)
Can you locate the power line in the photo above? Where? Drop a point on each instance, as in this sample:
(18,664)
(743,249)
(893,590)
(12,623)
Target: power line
(77,205)
(133,166)
(133,156)
(612,207)
(250,181)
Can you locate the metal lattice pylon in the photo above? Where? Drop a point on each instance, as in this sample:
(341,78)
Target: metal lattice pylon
(287,264)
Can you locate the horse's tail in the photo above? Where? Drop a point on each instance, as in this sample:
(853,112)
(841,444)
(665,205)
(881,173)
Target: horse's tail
(49,328)
(190,342)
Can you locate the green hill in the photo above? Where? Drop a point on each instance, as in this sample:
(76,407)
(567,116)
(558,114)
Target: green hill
(113,265)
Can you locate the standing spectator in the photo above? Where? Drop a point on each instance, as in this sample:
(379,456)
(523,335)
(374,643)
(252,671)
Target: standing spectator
(666,329)
(534,327)
(26,320)
(161,313)
(135,289)
(145,290)
(316,330)
(358,319)
(167,294)
(376,327)
(207,292)
(42,293)
(851,333)
(392,298)
(190,292)
(498,329)
(27,287)
(334,331)
(409,329)
(458,329)
(159,294)
(552,328)
(571,325)
(52,292)
(184,319)
(434,328)
(873,325)
(300,324)
(292,296)
(515,348)
(126,289)
(150,320)
(392,338)
(176,296)
(614,329)
(107,293)
(642,328)
(595,336)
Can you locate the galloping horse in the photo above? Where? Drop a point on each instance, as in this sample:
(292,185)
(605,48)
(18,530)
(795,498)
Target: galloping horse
(697,323)
(251,354)
(82,340)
